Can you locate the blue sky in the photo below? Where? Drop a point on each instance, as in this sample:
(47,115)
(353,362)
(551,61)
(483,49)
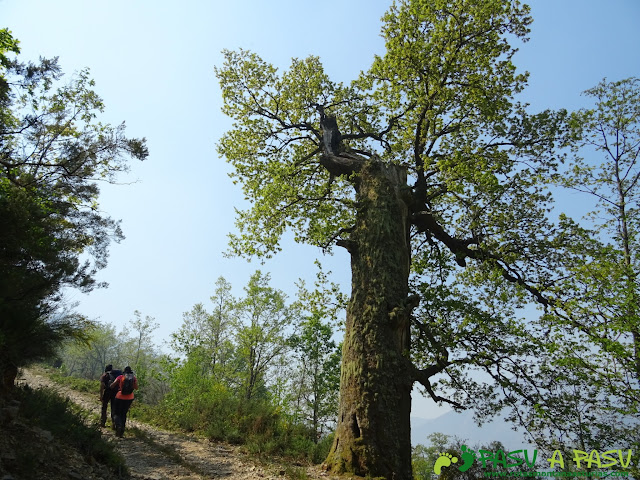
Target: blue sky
(153,66)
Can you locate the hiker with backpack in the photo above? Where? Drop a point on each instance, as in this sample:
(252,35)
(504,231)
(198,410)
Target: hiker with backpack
(106,394)
(125,384)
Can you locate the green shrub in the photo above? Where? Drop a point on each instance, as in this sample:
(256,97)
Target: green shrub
(76,383)
(213,410)
(321,449)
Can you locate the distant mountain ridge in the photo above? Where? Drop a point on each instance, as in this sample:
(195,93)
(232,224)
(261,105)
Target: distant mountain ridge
(462,426)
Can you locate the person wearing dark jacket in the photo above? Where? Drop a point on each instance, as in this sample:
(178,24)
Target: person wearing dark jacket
(123,400)
(106,395)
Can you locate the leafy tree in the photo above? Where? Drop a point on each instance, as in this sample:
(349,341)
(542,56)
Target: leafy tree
(88,359)
(423,458)
(207,335)
(8,45)
(318,377)
(191,333)
(219,332)
(261,321)
(425,160)
(585,393)
(142,341)
(188,388)
(105,345)
(609,316)
(53,151)
(139,349)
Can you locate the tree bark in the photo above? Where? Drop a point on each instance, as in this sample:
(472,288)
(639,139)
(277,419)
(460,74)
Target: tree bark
(373,436)
(8,374)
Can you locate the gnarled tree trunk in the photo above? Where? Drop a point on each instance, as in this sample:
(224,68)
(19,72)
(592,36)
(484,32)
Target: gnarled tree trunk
(373,436)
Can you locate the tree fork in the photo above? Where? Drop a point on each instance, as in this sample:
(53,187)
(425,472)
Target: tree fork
(373,436)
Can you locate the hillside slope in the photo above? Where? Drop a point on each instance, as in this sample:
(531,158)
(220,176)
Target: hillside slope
(154,454)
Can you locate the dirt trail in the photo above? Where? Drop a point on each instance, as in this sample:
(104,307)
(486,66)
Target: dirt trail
(161,455)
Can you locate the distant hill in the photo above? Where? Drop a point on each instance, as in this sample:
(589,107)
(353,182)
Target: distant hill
(462,425)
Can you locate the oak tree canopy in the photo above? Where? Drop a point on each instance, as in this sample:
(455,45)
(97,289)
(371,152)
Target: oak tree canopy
(426,169)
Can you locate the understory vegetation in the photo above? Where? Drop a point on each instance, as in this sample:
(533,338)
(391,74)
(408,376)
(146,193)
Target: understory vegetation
(49,423)
(256,424)
(218,414)
(258,370)
(66,422)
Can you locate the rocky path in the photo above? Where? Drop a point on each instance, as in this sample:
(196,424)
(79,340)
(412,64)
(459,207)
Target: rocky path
(154,454)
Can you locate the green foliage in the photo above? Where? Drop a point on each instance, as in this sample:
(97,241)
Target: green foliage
(140,354)
(279,176)
(8,44)
(104,345)
(142,340)
(241,341)
(439,101)
(207,336)
(584,394)
(261,322)
(316,376)
(195,402)
(423,458)
(53,152)
(439,105)
(211,409)
(88,359)
(75,383)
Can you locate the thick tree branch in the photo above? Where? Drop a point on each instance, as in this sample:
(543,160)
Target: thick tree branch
(425,222)
(343,164)
(423,376)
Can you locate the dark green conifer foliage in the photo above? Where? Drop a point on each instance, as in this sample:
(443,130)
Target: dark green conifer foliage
(53,152)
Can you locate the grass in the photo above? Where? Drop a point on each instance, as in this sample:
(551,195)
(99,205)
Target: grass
(296,473)
(45,409)
(221,416)
(74,383)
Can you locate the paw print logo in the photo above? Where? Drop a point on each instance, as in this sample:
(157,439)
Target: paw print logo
(444,460)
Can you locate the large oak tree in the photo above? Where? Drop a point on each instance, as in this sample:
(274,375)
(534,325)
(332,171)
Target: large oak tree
(425,162)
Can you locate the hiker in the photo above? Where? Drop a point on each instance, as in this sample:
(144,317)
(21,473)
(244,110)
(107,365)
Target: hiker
(106,394)
(125,384)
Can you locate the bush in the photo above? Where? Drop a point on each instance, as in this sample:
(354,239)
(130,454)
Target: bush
(76,383)
(218,413)
(321,450)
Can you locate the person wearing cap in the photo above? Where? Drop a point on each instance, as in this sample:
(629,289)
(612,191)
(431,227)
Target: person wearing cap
(123,401)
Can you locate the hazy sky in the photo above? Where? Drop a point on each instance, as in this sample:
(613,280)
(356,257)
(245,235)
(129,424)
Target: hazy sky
(153,61)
